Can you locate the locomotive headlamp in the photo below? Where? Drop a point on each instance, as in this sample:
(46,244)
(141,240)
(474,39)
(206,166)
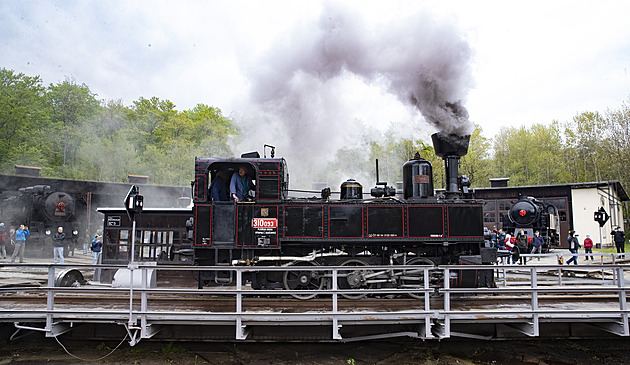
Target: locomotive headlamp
(75,232)
(47,232)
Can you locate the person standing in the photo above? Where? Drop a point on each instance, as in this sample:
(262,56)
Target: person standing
(20,242)
(537,244)
(521,247)
(3,242)
(620,240)
(58,239)
(509,246)
(493,238)
(501,239)
(588,246)
(97,245)
(574,245)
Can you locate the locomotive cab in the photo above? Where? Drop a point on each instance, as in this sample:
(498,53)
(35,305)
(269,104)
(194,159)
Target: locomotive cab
(268,177)
(267,180)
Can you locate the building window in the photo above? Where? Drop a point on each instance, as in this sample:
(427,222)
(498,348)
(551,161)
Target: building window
(489,217)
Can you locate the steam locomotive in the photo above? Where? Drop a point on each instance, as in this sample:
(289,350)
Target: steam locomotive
(272,229)
(43,210)
(531,215)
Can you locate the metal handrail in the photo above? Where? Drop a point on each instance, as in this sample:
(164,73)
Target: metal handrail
(532,286)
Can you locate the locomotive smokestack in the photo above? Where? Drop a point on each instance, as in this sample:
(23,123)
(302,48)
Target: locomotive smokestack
(451,147)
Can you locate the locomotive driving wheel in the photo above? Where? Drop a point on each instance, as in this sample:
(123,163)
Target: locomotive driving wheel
(303,280)
(414,278)
(354,279)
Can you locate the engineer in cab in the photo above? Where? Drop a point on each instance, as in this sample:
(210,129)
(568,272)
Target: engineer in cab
(240,185)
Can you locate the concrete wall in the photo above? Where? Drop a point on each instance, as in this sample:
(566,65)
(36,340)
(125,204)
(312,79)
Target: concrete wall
(585,202)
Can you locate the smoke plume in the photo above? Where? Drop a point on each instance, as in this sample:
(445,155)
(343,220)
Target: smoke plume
(300,81)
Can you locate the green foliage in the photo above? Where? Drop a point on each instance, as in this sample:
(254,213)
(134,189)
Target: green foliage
(476,164)
(24,115)
(67,132)
(71,105)
(529,156)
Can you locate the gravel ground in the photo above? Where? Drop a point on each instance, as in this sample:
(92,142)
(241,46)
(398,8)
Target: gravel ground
(36,349)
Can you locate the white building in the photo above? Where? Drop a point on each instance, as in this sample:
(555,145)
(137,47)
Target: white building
(576,205)
(587,198)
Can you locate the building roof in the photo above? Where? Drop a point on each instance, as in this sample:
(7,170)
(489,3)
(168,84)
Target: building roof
(584,185)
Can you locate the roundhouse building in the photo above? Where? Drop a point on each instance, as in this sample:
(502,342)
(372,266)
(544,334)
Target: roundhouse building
(576,205)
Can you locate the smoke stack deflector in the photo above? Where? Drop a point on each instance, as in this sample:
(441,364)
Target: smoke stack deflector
(451,147)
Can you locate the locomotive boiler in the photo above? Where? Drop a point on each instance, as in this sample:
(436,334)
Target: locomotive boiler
(269,228)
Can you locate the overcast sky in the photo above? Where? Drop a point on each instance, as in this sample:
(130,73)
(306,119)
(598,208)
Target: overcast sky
(529,61)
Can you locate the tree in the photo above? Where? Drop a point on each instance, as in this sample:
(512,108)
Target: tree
(210,131)
(146,117)
(617,143)
(23,117)
(530,156)
(111,120)
(71,106)
(547,155)
(476,163)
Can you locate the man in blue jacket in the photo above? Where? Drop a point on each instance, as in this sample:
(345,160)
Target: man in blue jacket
(97,244)
(20,241)
(240,185)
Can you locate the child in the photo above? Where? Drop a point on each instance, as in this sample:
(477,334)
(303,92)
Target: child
(588,246)
(509,246)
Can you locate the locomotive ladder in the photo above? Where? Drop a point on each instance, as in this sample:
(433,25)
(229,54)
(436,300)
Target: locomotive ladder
(223,257)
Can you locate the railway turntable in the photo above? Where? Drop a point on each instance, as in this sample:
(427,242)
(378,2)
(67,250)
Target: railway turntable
(540,305)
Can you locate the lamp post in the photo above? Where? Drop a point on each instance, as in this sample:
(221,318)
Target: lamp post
(601,217)
(133,204)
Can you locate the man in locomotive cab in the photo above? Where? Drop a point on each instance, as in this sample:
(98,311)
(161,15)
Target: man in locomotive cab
(240,185)
(218,189)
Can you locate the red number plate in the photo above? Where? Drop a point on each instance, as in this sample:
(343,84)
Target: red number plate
(265,223)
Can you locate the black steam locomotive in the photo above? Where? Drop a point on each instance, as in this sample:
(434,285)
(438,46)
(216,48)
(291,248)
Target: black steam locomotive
(531,215)
(43,210)
(269,228)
